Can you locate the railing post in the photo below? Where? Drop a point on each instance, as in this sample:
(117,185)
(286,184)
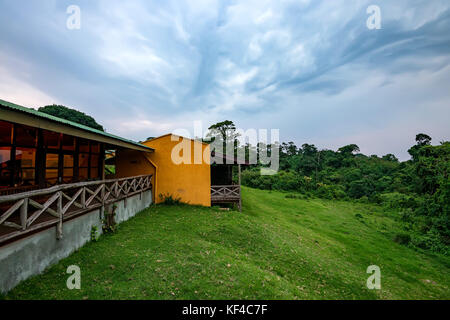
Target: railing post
(240,198)
(83,197)
(24,214)
(102,209)
(59,227)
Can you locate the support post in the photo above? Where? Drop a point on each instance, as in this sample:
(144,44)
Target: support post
(59,231)
(240,194)
(24,214)
(102,209)
(83,198)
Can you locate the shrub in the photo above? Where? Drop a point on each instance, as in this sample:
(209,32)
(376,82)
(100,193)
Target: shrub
(402,238)
(94,234)
(169,200)
(430,241)
(398,200)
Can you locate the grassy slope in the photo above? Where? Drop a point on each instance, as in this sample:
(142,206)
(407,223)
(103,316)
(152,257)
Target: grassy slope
(277,249)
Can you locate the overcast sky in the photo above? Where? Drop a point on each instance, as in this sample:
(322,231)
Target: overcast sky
(309,68)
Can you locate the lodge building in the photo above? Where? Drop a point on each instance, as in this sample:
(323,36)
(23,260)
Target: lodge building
(39,151)
(54,190)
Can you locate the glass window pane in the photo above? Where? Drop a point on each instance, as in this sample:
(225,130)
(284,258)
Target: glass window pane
(83,160)
(68,160)
(26,136)
(5,178)
(68,142)
(5,167)
(51,139)
(51,160)
(94,173)
(28,176)
(83,174)
(95,147)
(51,174)
(5,156)
(26,157)
(68,175)
(6,132)
(94,161)
(83,145)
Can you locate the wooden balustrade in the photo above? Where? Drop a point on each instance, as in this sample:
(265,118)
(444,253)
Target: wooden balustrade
(34,210)
(226,194)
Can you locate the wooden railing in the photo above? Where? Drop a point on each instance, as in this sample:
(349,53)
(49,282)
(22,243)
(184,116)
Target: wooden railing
(30,211)
(225,192)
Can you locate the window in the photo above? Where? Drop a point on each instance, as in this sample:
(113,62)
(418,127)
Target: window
(5,167)
(25,136)
(68,143)
(68,168)
(5,156)
(83,165)
(95,147)
(94,173)
(94,166)
(6,132)
(83,160)
(83,145)
(51,139)
(25,166)
(83,174)
(51,168)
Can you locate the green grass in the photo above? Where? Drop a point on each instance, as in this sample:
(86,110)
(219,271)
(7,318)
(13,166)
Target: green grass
(278,248)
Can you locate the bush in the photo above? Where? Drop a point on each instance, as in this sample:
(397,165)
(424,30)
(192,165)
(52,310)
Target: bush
(430,241)
(402,238)
(398,200)
(169,200)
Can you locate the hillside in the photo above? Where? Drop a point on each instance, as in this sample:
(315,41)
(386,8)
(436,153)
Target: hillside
(278,248)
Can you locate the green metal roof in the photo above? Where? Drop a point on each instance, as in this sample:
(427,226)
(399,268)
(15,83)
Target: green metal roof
(36,113)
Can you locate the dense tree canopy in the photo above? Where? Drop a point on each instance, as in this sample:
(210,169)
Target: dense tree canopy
(72,115)
(418,188)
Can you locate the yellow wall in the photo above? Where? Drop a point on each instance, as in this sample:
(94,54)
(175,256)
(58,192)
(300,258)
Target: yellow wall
(131,163)
(191,182)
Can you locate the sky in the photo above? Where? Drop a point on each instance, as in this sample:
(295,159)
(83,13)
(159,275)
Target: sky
(312,69)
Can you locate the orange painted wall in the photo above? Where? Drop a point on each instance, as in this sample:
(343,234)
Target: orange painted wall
(191,182)
(131,163)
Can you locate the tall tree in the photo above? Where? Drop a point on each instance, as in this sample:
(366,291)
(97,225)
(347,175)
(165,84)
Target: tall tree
(226,130)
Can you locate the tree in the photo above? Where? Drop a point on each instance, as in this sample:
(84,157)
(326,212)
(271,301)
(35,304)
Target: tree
(390,157)
(226,130)
(423,139)
(71,115)
(349,149)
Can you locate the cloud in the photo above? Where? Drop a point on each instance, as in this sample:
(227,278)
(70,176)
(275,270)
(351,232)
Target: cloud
(310,68)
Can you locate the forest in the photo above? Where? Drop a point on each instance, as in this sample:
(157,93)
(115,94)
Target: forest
(417,189)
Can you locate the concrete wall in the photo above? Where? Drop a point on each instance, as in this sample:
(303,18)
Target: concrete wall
(32,255)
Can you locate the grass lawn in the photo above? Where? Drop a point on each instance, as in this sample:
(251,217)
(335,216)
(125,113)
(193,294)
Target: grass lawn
(278,248)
